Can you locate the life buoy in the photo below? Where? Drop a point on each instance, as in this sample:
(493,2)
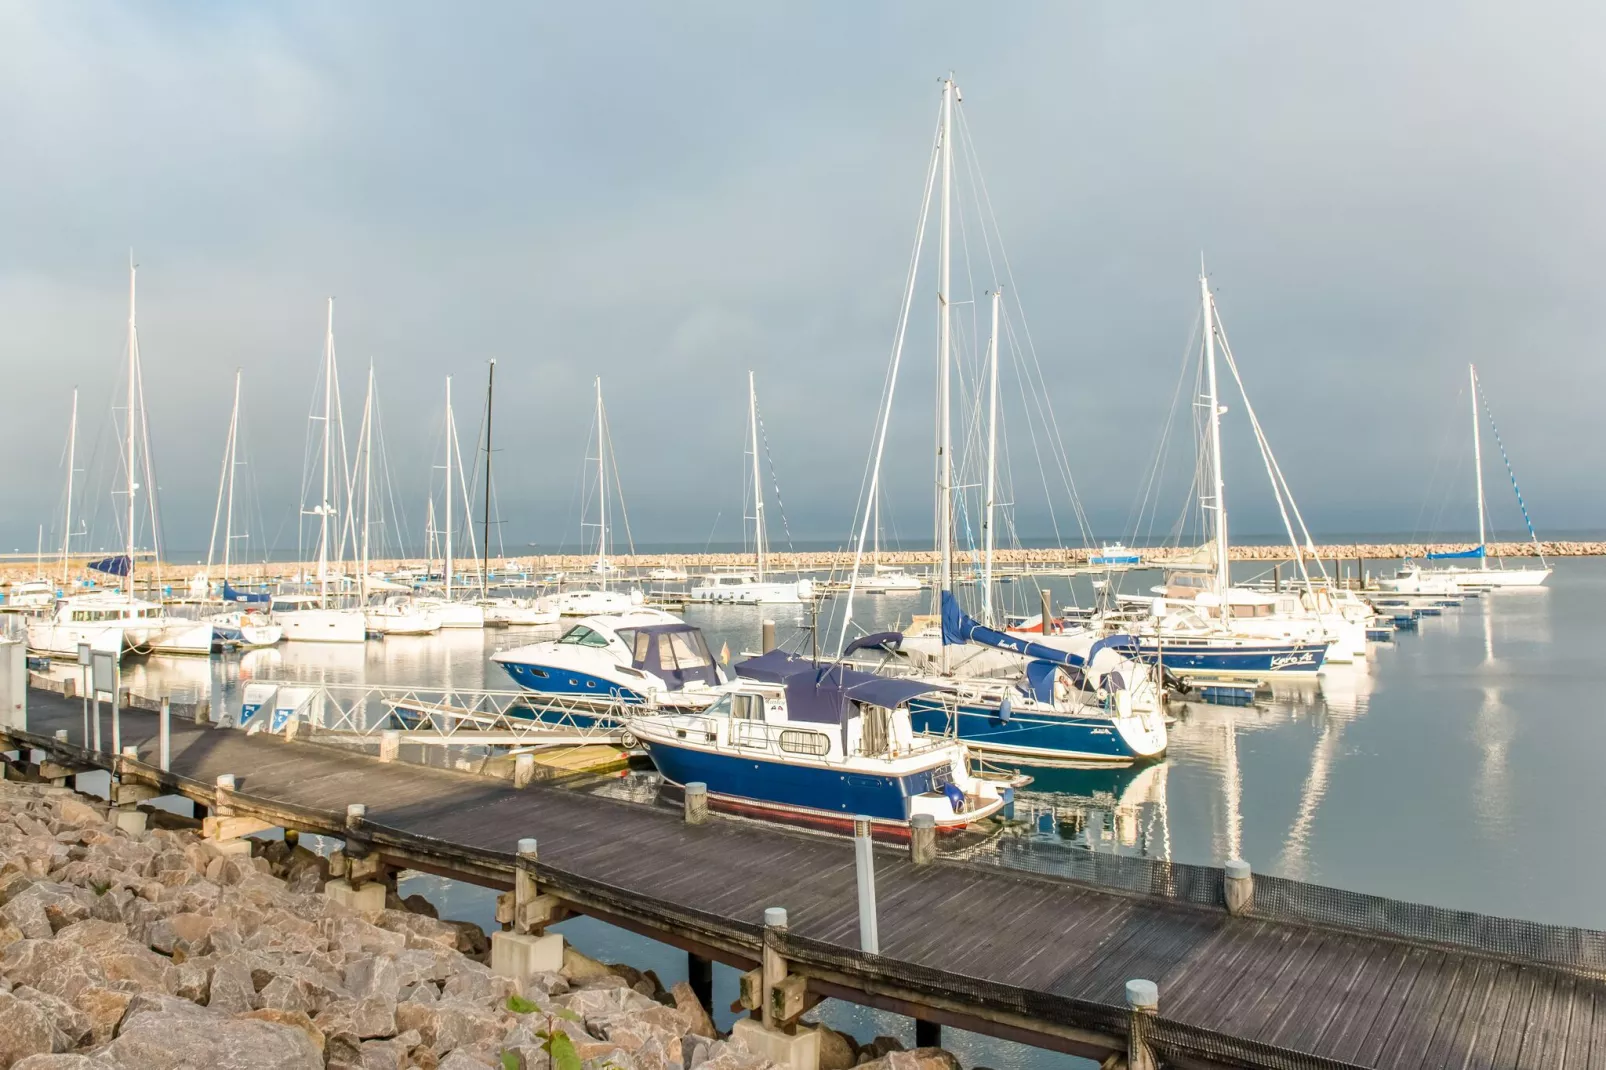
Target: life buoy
(1062,687)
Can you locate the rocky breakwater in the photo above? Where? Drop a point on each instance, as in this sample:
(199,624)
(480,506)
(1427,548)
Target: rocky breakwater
(156,950)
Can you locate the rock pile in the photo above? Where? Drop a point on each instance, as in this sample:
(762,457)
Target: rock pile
(157,950)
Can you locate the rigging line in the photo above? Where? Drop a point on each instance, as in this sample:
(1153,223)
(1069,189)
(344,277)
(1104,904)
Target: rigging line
(1061,455)
(1151,487)
(1489,414)
(1279,484)
(870,484)
(775,481)
(613,462)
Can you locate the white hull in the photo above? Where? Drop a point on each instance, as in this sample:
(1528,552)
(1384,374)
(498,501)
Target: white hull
(591,603)
(752,593)
(324,626)
(61,640)
(456,614)
(183,637)
(518,615)
(402,622)
(1499,577)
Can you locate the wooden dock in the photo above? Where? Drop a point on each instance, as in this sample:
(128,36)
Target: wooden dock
(1040,958)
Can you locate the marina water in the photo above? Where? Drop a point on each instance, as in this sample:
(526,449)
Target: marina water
(1460,766)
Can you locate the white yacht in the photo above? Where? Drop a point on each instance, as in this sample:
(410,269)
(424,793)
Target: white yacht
(591,602)
(642,656)
(28,596)
(748,589)
(400,615)
(305,619)
(108,620)
(890,579)
(513,612)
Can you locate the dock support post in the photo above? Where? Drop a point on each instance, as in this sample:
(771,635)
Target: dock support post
(528,948)
(927,1034)
(83,672)
(117,723)
(1048,615)
(767,637)
(203,711)
(390,745)
(696,802)
(922,839)
(362,881)
(774,963)
(1143,1003)
(164,736)
(220,796)
(523,769)
(1240,887)
(700,975)
(864,865)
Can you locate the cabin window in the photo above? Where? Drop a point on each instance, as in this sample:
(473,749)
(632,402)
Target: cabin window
(686,650)
(747,707)
(720,708)
(580,635)
(800,741)
(639,642)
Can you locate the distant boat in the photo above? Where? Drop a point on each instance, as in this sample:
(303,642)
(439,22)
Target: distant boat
(1483,575)
(1114,553)
(753,588)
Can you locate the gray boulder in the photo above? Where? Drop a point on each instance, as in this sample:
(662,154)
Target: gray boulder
(154,1040)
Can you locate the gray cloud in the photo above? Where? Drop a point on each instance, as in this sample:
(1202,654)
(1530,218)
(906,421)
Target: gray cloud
(667,197)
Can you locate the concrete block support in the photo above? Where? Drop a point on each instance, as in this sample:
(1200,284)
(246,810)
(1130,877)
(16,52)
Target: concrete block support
(696,803)
(1240,887)
(368,899)
(523,769)
(774,963)
(789,1051)
(1143,1003)
(389,745)
(519,955)
(922,839)
(130,819)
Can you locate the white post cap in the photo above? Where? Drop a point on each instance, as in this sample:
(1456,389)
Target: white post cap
(1142,995)
(775,917)
(1237,869)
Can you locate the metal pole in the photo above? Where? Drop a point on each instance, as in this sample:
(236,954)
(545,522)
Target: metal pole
(164,745)
(117,720)
(768,637)
(1048,614)
(96,722)
(864,864)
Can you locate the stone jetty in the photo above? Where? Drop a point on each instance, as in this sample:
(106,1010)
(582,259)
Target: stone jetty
(127,948)
(175,573)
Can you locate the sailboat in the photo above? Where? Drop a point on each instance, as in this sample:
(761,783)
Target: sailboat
(314,618)
(1464,577)
(113,620)
(592,601)
(37,595)
(1052,704)
(244,624)
(754,588)
(448,609)
(502,611)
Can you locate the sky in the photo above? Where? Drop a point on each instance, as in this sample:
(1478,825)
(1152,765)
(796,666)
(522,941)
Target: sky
(669,196)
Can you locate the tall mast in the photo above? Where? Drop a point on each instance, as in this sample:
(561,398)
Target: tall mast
(1218,490)
(233,452)
(66,520)
(1477,463)
(133,373)
(944,431)
(992,468)
(323,504)
(758,485)
(485,551)
(602,496)
(451,433)
(367,480)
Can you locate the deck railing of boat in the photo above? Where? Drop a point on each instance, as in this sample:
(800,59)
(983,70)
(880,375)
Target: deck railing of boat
(766,738)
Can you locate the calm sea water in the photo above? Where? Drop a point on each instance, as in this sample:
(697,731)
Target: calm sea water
(1460,766)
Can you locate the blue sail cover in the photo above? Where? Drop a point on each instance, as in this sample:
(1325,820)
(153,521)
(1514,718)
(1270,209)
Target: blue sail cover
(958,629)
(244,597)
(112,566)
(1475,552)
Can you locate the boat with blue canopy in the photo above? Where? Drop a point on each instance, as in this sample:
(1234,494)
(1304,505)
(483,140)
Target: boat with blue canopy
(819,744)
(646,656)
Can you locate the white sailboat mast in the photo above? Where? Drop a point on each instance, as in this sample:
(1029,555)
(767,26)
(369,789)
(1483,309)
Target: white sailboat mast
(367,479)
(944,519)
(1218,490)
(602,495)
(233,451)
(323,503)
(758,484)
(451,435)
(133,373)
(66,519)
(992,468)
(1477,462)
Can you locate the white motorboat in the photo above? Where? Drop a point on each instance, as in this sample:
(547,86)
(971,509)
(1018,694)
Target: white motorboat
(1411,578)
(109,620)
(748,589)
(451,614)
(591,602)
(517,612)
(28,596)
(890,579)
(642,656)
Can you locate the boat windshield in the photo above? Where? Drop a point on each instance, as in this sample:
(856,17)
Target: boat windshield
(580,635)
(684,650)
(722,708)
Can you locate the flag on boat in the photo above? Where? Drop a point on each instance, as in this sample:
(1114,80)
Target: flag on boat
(1476,551)
(725,653)
(112,566)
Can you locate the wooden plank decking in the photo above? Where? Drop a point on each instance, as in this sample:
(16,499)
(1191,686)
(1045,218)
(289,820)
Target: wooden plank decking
(1335,994)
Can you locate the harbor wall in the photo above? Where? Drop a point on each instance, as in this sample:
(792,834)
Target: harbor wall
(177,574)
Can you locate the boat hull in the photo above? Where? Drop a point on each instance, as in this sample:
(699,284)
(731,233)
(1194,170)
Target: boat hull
(556,680)
(323,626)
(1045,735)
(1288,659)
(804,792)
(183,637)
